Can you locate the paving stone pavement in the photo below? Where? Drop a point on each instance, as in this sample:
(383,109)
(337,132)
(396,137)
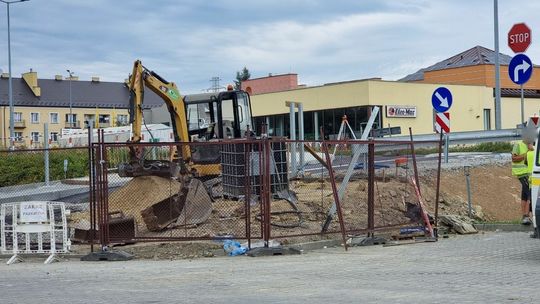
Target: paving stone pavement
(491,267)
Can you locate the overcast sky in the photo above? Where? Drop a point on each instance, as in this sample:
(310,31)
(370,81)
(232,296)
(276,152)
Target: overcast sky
(191,41)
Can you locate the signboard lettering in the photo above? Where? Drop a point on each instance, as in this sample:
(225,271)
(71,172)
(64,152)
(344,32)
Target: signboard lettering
(401,111)
(33,212)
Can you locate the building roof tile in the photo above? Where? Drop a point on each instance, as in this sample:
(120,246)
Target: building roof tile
(84,94)
(474,56)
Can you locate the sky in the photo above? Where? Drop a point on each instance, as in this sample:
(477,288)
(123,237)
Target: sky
(191,41)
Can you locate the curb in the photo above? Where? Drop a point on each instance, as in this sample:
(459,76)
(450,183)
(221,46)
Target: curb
(504,227)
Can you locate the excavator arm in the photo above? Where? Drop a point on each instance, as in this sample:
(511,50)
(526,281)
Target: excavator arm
(141,78)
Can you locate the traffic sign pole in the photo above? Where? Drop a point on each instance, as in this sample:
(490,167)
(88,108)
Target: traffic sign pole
(522,105)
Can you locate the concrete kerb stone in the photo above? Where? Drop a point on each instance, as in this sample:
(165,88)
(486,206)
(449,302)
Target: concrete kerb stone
(503,227)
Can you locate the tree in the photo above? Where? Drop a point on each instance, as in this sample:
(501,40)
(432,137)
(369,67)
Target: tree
(241,76)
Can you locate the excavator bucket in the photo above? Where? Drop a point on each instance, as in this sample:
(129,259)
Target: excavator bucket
(190,206)
(197,205)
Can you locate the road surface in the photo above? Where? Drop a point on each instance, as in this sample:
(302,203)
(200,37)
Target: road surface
(484,268)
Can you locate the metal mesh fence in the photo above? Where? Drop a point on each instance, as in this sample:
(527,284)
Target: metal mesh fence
(48,175)
(210,201)
(242,189)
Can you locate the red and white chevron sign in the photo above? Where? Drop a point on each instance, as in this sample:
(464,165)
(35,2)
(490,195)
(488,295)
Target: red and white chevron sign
(442,122)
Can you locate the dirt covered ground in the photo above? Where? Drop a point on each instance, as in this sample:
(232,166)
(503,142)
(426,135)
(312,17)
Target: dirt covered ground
(493,188)
(495,197)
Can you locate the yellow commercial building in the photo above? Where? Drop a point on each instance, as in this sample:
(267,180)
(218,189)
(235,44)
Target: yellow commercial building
(406,103)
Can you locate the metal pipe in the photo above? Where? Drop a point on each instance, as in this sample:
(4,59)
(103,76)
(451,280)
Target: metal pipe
(292,136)
(416,179)
(10,88)
(71,125)
(522,106)
(46,146)
(10,80)
(438,185)
(446,144)
(335,194)
(92,180)
(301,133)
(371,187)
(106,187)
(466,169)
(497,67)
(268,190)
(316,124)
(247,189)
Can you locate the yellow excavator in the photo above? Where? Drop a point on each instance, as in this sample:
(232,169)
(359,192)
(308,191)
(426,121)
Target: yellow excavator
(197,117)
(194,118)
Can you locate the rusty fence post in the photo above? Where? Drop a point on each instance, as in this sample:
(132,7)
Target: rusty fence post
(92,188)
(105,188)
(267,191)
(415,167)
(371,187)
(247,189)
(335,194)
(102,193)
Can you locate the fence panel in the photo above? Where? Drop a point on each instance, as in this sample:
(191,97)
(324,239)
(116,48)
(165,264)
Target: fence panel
(210,202)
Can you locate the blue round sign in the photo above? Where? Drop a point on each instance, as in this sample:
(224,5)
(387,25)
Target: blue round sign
(441,99)
(520,69)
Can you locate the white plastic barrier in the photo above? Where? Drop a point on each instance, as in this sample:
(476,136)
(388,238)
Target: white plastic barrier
(34,227)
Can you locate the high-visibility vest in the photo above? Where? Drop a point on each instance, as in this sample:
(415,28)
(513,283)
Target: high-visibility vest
(519,168)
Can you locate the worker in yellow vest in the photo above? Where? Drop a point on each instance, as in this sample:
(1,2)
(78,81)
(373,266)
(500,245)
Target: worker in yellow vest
(519,169)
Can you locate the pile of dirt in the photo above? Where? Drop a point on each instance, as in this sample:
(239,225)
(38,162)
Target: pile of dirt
(140,193)
(493,189)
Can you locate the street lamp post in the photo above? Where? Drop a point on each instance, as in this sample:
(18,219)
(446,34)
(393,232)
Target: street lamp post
(10,82)
(71,122)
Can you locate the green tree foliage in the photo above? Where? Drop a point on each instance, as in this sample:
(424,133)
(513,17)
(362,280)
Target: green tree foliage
(241,76)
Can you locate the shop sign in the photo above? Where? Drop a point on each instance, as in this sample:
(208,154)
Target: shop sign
(401,111)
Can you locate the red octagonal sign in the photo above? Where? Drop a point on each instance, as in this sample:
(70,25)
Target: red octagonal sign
(519,37)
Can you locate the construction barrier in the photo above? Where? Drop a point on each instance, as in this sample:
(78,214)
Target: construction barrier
(34,227)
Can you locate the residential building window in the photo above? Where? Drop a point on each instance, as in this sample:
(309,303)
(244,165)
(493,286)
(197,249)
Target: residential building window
(487,119)
(35,137)
(34,117)
(104,118)
(53,118)
(53,136)
(18,136)
(71,117)
(88,118)
(17,117)
(122,120)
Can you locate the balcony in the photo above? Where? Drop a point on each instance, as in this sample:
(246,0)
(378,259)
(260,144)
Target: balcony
(19,124)
(72,125)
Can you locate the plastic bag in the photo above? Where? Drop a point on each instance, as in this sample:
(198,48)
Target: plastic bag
(233,248)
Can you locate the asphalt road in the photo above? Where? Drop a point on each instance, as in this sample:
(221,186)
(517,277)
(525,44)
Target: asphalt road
(485,268)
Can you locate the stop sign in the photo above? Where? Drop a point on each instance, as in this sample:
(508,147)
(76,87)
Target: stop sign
(519,37)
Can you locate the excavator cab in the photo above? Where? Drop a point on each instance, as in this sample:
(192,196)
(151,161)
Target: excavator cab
(213,116)
(219,115)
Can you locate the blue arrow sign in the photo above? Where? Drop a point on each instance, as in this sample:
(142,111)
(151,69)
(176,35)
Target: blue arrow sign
(441,99)
(520,69)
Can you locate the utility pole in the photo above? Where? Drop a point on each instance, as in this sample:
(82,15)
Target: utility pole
(497,67)
(70,120)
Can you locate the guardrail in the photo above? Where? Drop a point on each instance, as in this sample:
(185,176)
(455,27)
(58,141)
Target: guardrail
(465,137)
